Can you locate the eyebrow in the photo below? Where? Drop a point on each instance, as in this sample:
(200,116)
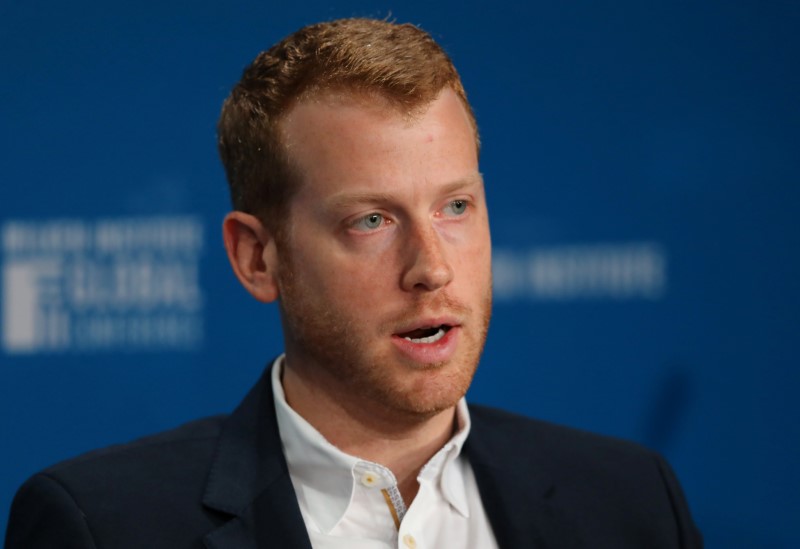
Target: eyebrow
(346,199)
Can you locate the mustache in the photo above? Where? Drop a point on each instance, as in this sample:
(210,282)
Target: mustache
(437,306)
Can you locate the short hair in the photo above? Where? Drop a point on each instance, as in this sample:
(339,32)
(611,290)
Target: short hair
(399,62)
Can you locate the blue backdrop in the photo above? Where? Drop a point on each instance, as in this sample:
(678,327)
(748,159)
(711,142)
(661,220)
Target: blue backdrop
(642,167)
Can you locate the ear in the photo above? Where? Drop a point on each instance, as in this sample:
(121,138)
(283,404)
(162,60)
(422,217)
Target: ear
(253,255)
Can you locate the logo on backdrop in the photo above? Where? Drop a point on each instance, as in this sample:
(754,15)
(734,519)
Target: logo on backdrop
(72,285)
(608,271)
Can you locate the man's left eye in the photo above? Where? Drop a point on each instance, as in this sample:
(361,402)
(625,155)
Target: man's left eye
(456,207)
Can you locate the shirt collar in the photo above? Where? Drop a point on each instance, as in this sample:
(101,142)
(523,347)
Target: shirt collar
(326,474)
(446,469)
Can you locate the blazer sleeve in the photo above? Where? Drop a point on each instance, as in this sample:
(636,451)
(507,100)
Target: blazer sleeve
(44,515)
(689,536)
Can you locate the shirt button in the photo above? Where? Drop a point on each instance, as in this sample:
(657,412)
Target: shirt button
(369,479)
(409,541)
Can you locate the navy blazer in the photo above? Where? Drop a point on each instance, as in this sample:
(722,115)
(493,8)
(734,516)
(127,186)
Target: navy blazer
(223,483)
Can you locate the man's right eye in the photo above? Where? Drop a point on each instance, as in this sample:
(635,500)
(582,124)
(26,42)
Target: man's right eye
(370,222)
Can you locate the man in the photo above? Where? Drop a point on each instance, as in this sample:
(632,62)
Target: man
(352,157)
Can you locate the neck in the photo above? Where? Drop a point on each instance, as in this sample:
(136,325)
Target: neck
(401,442)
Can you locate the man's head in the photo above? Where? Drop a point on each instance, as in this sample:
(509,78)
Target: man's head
(362,210)
(368,57)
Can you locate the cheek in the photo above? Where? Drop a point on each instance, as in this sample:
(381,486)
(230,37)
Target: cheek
(475,261)
(352,281)
(345,277)
(474,265)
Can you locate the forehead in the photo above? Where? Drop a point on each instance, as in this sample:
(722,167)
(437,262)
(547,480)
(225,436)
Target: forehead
(346,140)
(320,111)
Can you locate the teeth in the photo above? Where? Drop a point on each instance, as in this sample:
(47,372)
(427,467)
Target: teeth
(430,339)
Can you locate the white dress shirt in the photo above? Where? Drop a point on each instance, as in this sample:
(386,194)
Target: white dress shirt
(353,503)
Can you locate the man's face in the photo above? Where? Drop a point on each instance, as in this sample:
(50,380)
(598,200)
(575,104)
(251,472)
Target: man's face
(384,275)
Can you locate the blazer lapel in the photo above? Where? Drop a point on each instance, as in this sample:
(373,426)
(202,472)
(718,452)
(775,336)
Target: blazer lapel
(516,493)
(249,480)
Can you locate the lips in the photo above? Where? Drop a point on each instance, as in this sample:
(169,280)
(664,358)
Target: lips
(426,335)
(428,341)
(427,327)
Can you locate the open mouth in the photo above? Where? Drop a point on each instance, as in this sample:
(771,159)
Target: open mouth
(426,335)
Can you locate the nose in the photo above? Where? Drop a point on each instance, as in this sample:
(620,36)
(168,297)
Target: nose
(426,264)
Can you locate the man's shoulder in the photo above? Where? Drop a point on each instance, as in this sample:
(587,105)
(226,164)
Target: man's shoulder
(195,439)
(111,493)
(585,484)
(546,440)
(192,433)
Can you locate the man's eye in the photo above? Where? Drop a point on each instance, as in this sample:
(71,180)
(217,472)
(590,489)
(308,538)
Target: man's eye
(369,222)
(456,207)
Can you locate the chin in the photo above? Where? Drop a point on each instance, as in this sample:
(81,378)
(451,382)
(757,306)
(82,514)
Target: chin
(433,391)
